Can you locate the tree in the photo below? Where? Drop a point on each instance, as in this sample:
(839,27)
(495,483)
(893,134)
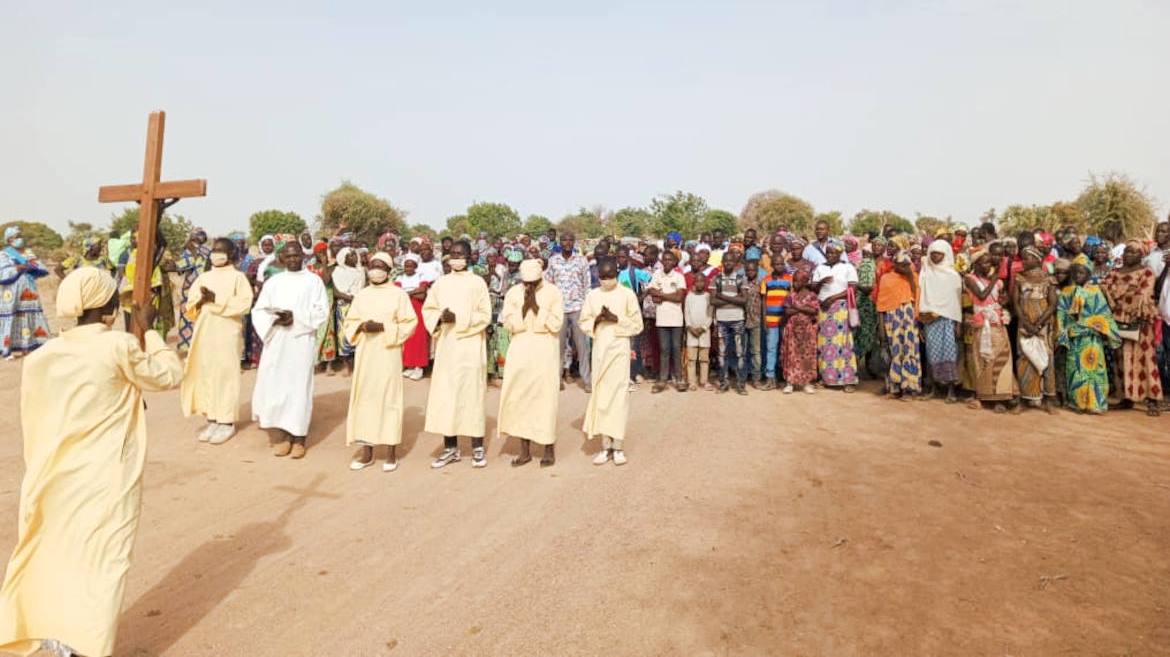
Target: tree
(631,222)
(175,229)
(351,209)
(718,220)
(536,225)
(271,222)
(37,236)
(495,219)
(773,209)
(873,221)
(421,230)
(1114,208)
(682,211)
(589,223)
(836,224)
(930,225)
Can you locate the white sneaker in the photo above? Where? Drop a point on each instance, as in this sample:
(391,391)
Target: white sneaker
(222,434)
(389,466)
(208,430)
(416,374)
(810,390)
(448,457)
(619,457)
(787,389)
(479,457)
(602,457)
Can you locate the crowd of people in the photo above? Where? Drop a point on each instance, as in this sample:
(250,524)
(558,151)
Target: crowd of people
(1034,319)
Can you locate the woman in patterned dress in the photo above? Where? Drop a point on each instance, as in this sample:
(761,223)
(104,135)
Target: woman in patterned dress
(865,335)
(898,305)
(836,360)
(1085,327)
(941,311)
(23,327)
(990,355)
(1034,298)
(800,335)
(1130,292)
(194,260)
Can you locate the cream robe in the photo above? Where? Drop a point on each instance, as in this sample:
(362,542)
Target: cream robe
(455,405)
(528,400)
(609,405)
(211,379)
(283,395)
(84,431)
(375,400)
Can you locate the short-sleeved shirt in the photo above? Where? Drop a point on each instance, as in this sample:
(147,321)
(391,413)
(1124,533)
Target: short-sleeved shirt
(640,279)
(842,273)
(572,277)
(775,290)
(729,285)
(815,254)
(669,313)
(754,307)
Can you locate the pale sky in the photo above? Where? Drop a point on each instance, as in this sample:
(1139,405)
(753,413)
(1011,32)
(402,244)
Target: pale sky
(946,107)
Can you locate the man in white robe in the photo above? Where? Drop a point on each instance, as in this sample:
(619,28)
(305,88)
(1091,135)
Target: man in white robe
(291,307)
(611,316)
(533,313)
(457,312)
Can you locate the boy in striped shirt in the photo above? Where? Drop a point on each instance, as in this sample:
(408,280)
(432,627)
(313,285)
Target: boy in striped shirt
(775,289)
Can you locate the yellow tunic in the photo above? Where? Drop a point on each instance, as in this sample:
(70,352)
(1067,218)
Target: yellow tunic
(609,405)
(84,448)
(528,400)
(211,380)
(375,400)
(455,405)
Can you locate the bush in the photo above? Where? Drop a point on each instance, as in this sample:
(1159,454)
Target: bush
(175,229)
(682,211)
(1114,208)
(352,209)
(770,210)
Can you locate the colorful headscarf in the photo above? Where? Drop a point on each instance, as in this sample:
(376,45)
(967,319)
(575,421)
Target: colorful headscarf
(854,256)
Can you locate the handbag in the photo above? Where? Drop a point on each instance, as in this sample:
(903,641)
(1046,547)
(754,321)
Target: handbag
(851,303)
(1129,330)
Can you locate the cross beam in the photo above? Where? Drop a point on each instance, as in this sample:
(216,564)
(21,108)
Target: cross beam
(152,196)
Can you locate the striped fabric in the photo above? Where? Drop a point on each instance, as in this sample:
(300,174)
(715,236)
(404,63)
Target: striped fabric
(775,290)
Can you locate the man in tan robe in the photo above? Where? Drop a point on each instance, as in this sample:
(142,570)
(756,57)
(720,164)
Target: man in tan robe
(611,316)
(533,313)
(211,381)
(84,429)
(456,313)
(380,320)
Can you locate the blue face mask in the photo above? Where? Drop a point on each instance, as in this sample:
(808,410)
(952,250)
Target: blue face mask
(18,243)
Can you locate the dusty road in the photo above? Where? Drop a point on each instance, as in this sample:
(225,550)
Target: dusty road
(765,525)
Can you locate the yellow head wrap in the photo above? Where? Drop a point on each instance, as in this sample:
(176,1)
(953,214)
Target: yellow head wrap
(82,289)
(531,271)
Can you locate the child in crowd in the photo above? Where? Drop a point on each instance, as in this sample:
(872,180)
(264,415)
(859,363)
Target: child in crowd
(698,314)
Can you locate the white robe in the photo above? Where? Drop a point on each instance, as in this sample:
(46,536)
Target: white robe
(455,405)
(283,396)
(375,399)
(609,404)
(528,400)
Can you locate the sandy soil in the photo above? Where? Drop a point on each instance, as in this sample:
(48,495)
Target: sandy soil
(765,525)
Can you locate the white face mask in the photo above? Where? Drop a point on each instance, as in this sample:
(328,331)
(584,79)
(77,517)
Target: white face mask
(608,284)
(218,259)
(457,264)
(378,276)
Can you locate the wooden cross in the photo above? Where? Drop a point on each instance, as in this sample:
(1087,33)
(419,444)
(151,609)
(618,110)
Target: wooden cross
(153,196)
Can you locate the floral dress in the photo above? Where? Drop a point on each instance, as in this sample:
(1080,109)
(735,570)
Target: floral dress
(1132,294)
(23,326)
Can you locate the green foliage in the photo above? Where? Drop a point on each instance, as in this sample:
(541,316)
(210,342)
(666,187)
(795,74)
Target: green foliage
(536,225)
(681,211)
(1114,208)
(929,225)
(586,223)
(421,230)
(632,222)
(271,222)
(352,209)
(175,229)
(1019,218)
(495,219)
(875,221)
(770,210)
(836,223)
(719,220)
(37,236)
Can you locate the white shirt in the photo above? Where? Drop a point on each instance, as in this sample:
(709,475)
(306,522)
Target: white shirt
(842,274)
(670,313)
(815,254)
(1154,261)
(430,271)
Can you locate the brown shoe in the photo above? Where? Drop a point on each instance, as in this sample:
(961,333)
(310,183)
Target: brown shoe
(298,449)
(282,448)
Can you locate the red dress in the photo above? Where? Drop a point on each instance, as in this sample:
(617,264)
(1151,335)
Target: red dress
(417,350)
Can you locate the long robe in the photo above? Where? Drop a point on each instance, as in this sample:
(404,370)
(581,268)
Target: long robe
(455,406)
(375,399)
(609,405)
(211,380)
(528,399)
(84,431)
(283,396)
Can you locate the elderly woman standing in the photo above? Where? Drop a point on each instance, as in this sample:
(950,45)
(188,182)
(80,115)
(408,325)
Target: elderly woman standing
(1085,327)
(941,311)
(1034,299)
(1130,291)
(349,277)
(22,318)
(865,334)
(898,305)
(990,355)
(836,360)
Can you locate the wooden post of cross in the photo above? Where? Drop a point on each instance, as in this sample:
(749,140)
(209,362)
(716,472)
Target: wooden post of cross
(152,196)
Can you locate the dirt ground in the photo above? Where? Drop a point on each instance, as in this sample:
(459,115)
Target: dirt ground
(765,525)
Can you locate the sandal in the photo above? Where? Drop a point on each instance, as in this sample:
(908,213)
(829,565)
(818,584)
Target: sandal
(850,388)
(974,405)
